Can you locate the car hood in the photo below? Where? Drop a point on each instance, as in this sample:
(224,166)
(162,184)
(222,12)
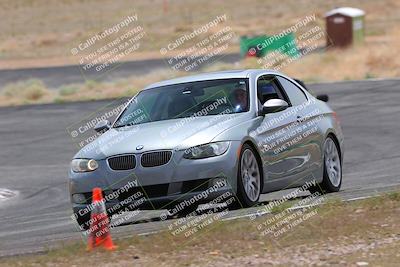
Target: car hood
(168,134)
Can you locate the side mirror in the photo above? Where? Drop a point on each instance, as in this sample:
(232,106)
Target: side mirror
(273,105)
(102,126)
(323,97)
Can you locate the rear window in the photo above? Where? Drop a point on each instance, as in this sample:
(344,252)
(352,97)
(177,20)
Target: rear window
(295,94)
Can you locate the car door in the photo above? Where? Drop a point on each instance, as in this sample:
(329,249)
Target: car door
(306,149)
(283,161)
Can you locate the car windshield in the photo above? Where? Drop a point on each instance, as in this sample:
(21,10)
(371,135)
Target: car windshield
(201,98)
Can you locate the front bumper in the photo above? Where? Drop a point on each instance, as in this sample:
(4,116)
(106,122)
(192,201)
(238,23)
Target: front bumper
(178,180)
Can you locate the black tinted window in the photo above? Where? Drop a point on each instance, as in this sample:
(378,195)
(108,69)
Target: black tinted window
(200,98)
(268,89)
(295,94)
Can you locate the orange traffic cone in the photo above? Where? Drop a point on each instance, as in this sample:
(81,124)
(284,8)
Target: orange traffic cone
(99,231)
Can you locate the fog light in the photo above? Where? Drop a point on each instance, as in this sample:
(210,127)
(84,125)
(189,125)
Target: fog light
(219,182)
(79,198)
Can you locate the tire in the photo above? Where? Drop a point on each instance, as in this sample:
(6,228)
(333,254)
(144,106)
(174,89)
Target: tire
(332,174)
(249,178)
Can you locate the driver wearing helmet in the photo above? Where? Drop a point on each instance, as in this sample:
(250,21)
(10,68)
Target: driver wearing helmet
(240,98)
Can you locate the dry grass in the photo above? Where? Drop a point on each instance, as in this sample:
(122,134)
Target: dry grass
(35,92)
(375,58)
(371,60)
(41,33)
(47,30)
(26,92)
(340,234)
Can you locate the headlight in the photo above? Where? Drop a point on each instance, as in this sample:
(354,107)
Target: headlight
(206,151)
(84,165)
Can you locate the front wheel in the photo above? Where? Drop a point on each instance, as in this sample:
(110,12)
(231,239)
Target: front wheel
(249,177)
(332,176)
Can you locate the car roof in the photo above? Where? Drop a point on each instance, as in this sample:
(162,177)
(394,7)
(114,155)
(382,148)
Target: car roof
(228,74)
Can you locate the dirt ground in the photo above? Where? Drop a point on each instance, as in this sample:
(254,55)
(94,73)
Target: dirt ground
(42,33)
(38,33)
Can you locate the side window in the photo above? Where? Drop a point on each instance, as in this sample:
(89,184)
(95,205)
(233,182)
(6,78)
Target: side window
(267,88)
(295,94)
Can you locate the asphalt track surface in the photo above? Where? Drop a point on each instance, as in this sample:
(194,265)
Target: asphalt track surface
(36,151)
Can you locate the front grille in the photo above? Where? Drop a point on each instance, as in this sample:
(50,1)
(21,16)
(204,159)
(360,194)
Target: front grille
(125,162)
(153,159)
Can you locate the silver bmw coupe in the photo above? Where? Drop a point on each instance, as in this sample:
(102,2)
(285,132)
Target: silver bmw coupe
(186,141)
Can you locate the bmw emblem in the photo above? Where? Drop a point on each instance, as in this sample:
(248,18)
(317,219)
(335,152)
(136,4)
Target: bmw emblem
(139,147)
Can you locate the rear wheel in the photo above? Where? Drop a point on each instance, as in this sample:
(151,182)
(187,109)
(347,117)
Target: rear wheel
(332,176)
(249,177)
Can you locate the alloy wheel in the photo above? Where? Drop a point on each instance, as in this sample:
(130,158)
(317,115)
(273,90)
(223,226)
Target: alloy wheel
(332,162)
(250,174)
